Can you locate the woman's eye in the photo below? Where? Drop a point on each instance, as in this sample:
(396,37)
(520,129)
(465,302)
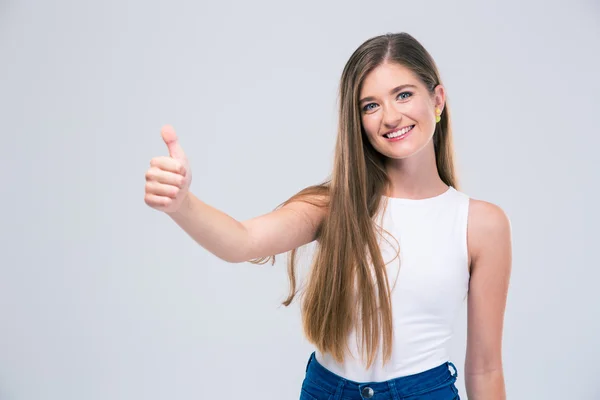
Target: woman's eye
(367,107)
(408,93)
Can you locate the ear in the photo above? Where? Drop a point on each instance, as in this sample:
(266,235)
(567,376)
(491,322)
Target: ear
(439,97)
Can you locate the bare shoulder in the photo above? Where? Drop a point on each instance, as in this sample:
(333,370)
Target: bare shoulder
(486,215)
(488,226)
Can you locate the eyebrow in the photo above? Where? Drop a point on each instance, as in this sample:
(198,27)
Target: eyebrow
(394,90)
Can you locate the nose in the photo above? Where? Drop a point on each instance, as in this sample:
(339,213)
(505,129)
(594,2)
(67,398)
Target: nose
(391,117)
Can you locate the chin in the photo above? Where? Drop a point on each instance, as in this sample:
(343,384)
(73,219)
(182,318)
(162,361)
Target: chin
(398,155)
(397,150)
(406,149)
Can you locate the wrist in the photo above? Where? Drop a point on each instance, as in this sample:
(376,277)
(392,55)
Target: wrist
(183,206)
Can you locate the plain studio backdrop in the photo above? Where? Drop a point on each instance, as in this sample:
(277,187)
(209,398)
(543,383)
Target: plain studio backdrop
(102,297)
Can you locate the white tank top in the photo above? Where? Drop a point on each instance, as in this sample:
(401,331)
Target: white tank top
(431,283)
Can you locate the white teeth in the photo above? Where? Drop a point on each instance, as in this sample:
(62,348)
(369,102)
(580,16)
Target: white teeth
(399,133)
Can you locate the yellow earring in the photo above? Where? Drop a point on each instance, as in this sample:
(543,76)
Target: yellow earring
(438,118)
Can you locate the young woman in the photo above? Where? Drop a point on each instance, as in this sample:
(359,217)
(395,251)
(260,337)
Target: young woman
(399,247)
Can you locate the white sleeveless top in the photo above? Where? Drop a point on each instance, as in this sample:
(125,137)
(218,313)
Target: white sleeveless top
(431,283)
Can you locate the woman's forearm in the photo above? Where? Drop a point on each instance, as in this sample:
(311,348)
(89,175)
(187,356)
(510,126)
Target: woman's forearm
(216,231)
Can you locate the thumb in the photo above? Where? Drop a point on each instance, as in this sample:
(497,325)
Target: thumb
(170,137)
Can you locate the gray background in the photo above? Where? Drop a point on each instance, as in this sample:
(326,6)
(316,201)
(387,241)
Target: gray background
(102,297)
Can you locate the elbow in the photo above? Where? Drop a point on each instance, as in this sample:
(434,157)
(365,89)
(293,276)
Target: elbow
(235,256)
(230,257)
(233,260)
(237,248)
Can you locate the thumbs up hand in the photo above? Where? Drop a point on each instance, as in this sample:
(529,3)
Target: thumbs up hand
(169,177)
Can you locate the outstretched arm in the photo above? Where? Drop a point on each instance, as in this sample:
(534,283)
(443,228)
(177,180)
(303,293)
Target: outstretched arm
(167,189)
(279,231)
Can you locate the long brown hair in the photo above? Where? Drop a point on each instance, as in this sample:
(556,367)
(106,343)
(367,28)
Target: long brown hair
(348,270)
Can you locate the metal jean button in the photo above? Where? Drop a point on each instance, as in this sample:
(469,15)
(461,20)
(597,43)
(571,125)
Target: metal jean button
(367,392)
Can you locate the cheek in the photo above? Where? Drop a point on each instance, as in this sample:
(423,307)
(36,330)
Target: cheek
(423,114)
(370,124)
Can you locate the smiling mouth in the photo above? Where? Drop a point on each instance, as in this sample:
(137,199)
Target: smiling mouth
(399,132)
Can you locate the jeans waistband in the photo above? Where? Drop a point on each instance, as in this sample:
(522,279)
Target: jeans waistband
(421,382)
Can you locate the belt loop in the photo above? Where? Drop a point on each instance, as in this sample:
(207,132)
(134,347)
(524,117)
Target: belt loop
(392,386)
(339,390)
(455,374)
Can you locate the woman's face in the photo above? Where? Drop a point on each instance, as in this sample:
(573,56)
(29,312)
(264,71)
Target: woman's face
(392,100)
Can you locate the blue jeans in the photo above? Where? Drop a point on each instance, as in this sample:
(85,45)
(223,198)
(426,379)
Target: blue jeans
(434,384)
